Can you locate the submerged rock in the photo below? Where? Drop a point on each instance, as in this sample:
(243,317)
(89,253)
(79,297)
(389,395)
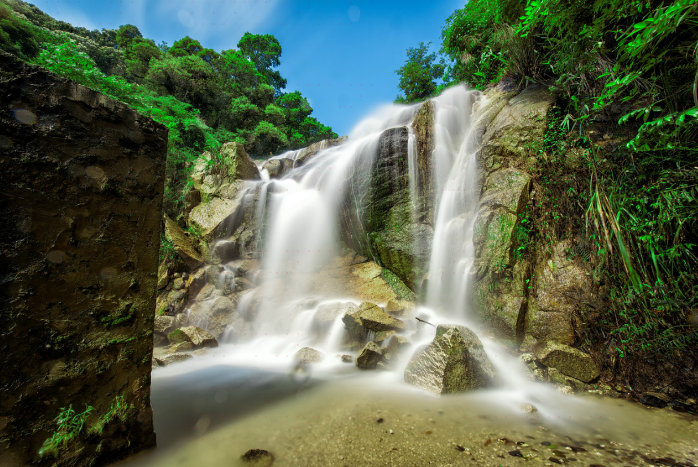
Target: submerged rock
(369,357)
(454,361)
(258,458)
(173,358)
(347,358)
(569,361)
(309,355)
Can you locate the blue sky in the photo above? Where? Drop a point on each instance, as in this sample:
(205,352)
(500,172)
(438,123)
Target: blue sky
(342,55)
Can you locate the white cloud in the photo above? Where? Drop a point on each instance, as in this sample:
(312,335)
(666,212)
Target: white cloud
(196,19)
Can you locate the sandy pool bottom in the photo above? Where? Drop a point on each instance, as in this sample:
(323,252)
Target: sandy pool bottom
(368,420)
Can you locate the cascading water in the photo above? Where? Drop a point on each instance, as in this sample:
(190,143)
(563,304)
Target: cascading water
(300,213)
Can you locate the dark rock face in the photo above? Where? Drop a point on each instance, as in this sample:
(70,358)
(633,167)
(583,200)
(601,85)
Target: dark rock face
(82,185)
(377,215)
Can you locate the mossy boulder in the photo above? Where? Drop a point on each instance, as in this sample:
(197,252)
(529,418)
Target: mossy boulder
(173,358)
(372,318)
(455,361)
(238,164)
(569,361)
(182,245)
(177,336)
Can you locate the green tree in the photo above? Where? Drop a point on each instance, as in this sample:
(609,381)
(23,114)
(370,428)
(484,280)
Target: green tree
(267,138)
(189,46)
(137,56)
(264,51)
(127,34)
(16,35)
(418,74)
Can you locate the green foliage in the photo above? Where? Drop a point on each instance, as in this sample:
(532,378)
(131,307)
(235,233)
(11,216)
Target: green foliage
(118,410)
(264,52)
(70,425)
(16,35)
(401,290)
(268,138)
(418,74)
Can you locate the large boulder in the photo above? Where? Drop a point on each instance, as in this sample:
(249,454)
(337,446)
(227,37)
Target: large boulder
(214,315)
(217,218)
(455,361)
(569,361)
(377,211)
(166,324)
(182,245)
(237,163)
(302,156)
(277,168)
(369,357)
(373,318)
(197,336)
(225,251)
(170,359)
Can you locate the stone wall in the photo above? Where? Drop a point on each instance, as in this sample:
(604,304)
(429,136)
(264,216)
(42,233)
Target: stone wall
(82,181)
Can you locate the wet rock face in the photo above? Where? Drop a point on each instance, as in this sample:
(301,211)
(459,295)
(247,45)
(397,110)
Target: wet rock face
(81,203)
(455,361)
(376,216)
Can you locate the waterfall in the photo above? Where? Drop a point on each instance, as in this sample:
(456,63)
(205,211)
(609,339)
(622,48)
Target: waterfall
(455,164)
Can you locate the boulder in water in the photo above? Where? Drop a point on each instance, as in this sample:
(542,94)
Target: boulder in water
(258,458)
(373,318)
(347,358)
(277,168)
(309,355)
(215,314)
(396,345)
(382,336)
(455,361)
(181,347)
(173,358)
(569,361)
(369,357)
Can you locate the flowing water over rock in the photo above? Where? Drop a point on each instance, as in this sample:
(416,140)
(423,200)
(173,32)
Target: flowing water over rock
(319,408)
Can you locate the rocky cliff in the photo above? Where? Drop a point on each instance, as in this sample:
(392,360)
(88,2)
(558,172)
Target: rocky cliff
(82,185)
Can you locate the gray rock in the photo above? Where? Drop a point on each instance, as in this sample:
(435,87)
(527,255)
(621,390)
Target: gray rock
(181,347)
(163,324)
(214,315)
(182,245)
(173,358)
(569,361)
(455,361)
(309,355)
(225,251)
(371,317)
(369,357)
(199,337)
(347,358)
